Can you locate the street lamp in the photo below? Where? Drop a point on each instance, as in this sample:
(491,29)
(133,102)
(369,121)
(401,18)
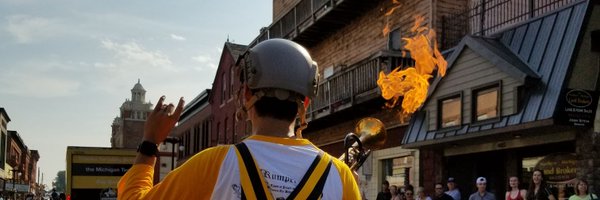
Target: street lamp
(173,141)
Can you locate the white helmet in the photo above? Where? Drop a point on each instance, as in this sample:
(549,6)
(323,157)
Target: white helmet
(279,64)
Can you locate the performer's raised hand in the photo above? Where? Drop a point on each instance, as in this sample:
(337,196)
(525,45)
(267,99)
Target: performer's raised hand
(162,119)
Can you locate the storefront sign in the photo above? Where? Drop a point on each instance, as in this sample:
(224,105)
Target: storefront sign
(17,187)
(559,167)
(577,107)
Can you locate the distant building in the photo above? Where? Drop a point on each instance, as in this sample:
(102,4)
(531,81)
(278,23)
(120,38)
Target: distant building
(22,166)
(223,99)
(4,119)
(193,131)
(128,127)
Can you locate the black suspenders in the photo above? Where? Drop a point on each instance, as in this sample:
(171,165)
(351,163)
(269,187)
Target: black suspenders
(259,191)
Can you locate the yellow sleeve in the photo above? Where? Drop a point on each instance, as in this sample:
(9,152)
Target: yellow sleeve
(195,179)
(350,187)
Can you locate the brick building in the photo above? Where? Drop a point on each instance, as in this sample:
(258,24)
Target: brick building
(4,167)
(22,166)
(345,38)
(128,127)
(223,99)
(193,128)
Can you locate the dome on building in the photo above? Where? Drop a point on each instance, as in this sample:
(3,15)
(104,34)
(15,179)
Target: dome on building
(138,86)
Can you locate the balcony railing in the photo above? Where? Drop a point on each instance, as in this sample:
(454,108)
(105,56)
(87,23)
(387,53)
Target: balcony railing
(486,17)
(355,84)
(310,20)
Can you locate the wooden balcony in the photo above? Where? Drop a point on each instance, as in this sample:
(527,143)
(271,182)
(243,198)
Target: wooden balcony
(354,84)
(310,21)
(487,17)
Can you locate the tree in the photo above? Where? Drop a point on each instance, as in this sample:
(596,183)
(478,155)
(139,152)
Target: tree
(59,181)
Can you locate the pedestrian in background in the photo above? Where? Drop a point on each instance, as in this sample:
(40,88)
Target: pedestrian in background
(515,193)
(538,190)
(385,191)
(452,189)
(581,192)
(409,193)
(482,193)
(440,194)
(395,194)
(421,194)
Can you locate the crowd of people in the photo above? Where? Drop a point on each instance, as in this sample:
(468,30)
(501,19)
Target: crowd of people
(538,190)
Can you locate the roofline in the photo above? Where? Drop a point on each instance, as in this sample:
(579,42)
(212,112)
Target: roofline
(3,112)
(19,140)
(519,127)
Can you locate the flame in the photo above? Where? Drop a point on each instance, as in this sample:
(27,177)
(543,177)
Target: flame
(412,83)
(386,29)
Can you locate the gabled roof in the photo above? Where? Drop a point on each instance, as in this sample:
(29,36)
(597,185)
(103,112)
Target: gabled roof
(3,112)
(495,52)
(235,50)
(541,48)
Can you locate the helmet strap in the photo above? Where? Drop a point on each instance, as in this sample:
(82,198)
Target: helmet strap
(302,105)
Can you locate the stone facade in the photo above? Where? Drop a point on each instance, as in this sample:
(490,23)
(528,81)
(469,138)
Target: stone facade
(588,158)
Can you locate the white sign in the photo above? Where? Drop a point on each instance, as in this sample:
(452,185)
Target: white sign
(17,187)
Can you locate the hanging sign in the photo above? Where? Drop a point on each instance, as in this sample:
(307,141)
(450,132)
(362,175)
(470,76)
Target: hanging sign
(576,107)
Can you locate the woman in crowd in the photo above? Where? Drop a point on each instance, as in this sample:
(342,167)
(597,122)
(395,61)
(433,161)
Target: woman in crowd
(581,192)
(515,193)
(395,194)
(409,193)
(538,189)
(421,194)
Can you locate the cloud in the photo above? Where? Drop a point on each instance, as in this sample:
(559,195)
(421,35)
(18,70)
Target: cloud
(205,61)
(27,29)
(177,37)
(37,84)
(131,55)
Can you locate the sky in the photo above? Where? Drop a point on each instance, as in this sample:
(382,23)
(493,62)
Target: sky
(66,66)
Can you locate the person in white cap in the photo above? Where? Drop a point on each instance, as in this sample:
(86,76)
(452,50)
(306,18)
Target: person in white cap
(482,193)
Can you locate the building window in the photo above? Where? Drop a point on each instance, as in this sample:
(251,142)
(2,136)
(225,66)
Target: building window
(450,112)
(225,131)
(397,170)
(2,153)
(231,80)
(218,133)
(394,40)
(233,131)
(224,92)
(486,103)
(205,131)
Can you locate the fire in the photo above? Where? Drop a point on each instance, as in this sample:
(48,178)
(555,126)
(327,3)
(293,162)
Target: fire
(386,29)
(412,83)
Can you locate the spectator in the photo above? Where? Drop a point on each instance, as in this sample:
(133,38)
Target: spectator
(581,192)
(440,194)
(482,193)
(452,189)
(385,191)
(421,194)
(515,193)
(538,190)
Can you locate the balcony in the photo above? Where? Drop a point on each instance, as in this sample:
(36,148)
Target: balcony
(310,21)
(486,17)
(355,84)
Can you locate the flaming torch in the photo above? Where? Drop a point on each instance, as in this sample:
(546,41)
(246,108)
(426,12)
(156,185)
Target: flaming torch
(412,83)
